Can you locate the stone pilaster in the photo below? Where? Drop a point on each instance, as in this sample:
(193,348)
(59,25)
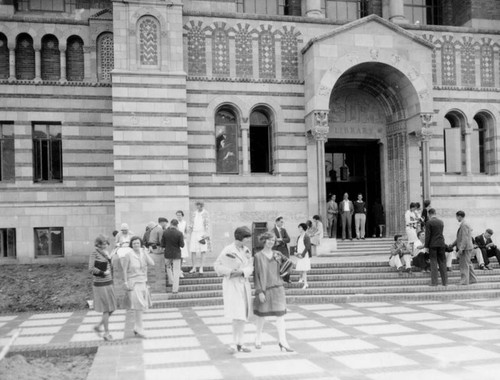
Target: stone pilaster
(63,64)
(319,131)
(425,137)
(38,65)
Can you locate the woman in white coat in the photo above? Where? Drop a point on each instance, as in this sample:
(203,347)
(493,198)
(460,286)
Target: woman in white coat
(235,263)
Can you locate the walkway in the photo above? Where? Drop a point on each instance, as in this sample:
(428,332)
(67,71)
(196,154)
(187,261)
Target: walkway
(363,341)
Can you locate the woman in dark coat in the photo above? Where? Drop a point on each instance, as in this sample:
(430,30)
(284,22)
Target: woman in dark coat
(269,290)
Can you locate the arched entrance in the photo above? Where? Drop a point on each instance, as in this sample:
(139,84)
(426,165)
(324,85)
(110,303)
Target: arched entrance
(368,149)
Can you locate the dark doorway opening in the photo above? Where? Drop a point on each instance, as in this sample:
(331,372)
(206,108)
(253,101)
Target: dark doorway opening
(353,167)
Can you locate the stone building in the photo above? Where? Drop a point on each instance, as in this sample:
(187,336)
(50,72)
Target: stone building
(123,111)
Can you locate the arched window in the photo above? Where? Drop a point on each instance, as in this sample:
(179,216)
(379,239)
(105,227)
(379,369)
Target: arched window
(25,57)
(453,146)
(226,141)
(149,41)
(261,160)
(4,57)
(50,58)
(482,144)
(75,66)
(105,57)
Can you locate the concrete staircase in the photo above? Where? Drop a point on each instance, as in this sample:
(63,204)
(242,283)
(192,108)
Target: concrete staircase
(368,247)
(342,282)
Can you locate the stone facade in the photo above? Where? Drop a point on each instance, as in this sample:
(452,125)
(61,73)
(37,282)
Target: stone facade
(136,87)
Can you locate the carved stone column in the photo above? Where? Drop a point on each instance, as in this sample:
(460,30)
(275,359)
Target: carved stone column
(245,126)
(319,131)
(467,132)
(12,62)
(426,135)
(63,65)
(38,65)
(313,9)
(396,12)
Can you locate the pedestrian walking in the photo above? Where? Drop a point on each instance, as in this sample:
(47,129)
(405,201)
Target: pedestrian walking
(102,285)
(135,274)
(269,291)
(235,264)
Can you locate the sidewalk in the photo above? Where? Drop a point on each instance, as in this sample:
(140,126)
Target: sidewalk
(362,341)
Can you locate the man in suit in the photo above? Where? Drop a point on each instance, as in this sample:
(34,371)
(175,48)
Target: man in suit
(282,240)
(346,209)
(435,246)
(488,249)
(464,248)
(172,241)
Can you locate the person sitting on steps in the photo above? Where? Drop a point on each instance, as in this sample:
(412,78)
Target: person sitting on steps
(400,253)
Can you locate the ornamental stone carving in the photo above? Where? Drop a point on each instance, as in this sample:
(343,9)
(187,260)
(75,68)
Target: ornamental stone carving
(320,128)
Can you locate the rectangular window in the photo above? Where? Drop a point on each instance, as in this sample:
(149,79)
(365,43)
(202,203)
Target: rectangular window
(7,242)
(47,5)
(7,160)
(425,12)
(47,152)
(49,241)
(344,10)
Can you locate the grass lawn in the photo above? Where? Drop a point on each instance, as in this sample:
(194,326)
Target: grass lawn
(47,287)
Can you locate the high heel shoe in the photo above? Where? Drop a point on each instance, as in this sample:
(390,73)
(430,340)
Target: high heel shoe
(139,335)
(305,286)
(242,348)
(300,281)
(107,337)
(287,349)
(193,270)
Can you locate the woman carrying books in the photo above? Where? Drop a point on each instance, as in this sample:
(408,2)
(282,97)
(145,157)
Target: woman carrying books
(104,295)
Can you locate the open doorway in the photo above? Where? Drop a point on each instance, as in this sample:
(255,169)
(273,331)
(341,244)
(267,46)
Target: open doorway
(353,167)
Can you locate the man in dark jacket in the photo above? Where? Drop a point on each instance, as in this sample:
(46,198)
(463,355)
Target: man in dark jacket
(172,241)
(435,245)
(487,247)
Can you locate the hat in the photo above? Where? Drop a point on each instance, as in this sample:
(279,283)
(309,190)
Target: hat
(151,225)
(124,226)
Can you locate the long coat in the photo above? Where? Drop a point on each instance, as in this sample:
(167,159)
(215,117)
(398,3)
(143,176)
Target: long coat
(237,292)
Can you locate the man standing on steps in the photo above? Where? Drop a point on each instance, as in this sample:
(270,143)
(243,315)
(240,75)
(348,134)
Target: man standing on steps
(346,209)
(332,211)
(435,245)
(464,248)
(172,241)
(282,240)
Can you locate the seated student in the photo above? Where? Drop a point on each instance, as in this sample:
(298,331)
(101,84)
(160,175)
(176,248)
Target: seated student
(488,249)
(399,254)
(421,258)
(478,256)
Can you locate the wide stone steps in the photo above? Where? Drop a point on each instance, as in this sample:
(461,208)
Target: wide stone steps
(334,282)
(343,282)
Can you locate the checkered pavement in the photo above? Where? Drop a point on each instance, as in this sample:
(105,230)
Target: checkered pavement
(363,341)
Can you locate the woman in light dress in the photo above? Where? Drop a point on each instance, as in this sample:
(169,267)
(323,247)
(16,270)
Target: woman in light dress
(200,235)
(122,239)
(269,287)
(411,221)
(135,275)
(235,264)
(303,254)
